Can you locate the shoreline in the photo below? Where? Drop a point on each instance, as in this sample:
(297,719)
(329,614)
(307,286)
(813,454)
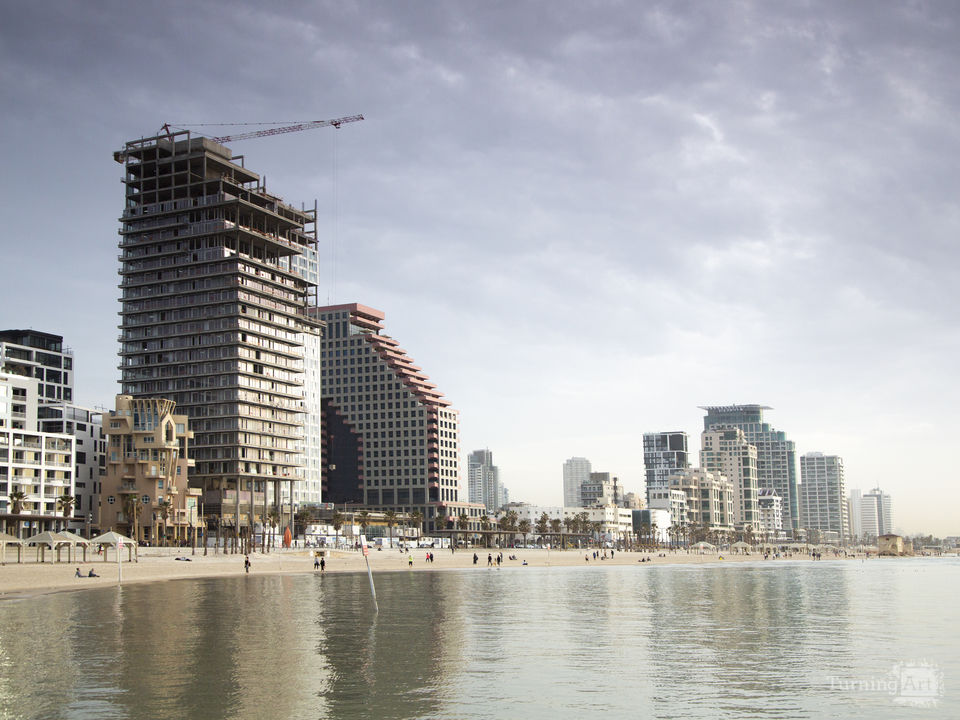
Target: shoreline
(28,579)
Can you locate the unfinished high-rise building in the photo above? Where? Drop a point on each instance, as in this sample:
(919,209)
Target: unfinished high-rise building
(213,315)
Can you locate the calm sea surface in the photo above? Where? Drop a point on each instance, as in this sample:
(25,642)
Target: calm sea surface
(765,640)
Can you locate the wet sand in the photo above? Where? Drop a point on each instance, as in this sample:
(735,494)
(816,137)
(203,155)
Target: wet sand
(156,564)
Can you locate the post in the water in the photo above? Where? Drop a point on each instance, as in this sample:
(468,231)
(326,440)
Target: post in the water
(366,557)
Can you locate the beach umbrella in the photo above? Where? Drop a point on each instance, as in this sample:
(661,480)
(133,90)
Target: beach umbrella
(5,540)
(55,541)
(111,539)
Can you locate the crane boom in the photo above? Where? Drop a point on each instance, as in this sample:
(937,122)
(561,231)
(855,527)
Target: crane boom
(288,129)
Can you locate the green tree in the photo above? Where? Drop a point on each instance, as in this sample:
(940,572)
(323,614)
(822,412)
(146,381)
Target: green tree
(463,522)
(416,518)
(18,499)
(337,520)
(523,527)
(555,526)
(132,508)
(543,525)
(165,507)
(65,505)
(391,517)
(485,525)
(363,520)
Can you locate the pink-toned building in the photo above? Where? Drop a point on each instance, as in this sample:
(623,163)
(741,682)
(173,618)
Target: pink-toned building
(391,439)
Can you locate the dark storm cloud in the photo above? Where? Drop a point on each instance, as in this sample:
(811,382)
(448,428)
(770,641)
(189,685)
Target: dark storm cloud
(616,210)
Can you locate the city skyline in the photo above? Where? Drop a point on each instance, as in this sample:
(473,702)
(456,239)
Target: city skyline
(635,211)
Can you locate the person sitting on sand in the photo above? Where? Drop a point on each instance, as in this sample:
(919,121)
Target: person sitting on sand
(78,573)
(92,573)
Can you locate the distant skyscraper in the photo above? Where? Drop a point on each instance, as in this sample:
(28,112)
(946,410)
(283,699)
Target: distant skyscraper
(776,455)
(601,489)
(823,500)
(663,454)
(725,451)
(41,356)
(576,472)
(854,504)
(483,481)
(876,514)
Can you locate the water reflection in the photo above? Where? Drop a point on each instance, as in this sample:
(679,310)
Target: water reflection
(737,641)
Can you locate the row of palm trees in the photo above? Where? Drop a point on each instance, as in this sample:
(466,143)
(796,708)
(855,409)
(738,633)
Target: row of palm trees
(19,502)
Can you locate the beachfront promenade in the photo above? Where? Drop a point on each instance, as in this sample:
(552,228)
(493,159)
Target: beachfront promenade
(157,564)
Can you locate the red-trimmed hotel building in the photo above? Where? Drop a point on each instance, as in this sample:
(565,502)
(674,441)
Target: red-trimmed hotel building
(391,440)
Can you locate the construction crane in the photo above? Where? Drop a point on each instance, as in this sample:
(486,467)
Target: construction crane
(288,129)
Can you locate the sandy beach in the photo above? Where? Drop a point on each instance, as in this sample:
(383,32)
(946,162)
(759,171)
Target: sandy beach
(156,564)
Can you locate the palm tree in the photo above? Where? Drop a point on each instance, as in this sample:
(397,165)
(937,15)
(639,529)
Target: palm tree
(363,520)
(570,524)
(523,527)
(273,520)
(391,517)
(416,518)
(337,521)
(463,522)
(543,523)
(65,505)
(214,520)
(555,525)
(18,499)
(165,507)
(132,507)
(485,525)
(504,525)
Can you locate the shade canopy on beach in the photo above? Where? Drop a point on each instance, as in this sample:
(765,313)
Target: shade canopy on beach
(5,540)
(78,542)
(112,539)
(54,541)
(703,545)
(741,545)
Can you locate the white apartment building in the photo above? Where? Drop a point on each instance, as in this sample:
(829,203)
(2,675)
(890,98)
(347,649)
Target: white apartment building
(672,500)
(823,501)
(576,472)
(771,513)
(724,449)
(36,468)
(709,498)
(663,454)
(876,515)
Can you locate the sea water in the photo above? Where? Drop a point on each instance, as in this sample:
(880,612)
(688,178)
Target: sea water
(774,639)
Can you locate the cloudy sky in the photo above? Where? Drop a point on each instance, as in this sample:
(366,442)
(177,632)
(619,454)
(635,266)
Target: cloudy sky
(582,219)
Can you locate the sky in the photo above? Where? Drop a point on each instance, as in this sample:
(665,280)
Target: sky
(584,220)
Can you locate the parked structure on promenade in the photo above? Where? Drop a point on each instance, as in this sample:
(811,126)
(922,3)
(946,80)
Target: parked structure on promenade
(145,494)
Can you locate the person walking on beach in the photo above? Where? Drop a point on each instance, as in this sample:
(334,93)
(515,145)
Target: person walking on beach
(475,558)
(323,564)
(410,560)
(489,559)
(246,563)
(316,562)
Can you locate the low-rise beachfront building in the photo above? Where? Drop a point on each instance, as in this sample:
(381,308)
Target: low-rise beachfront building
(890,545)
(673,500)
(614,523)
(652,526)
(144,490)
(36,468)
(771,513)
(709,499)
